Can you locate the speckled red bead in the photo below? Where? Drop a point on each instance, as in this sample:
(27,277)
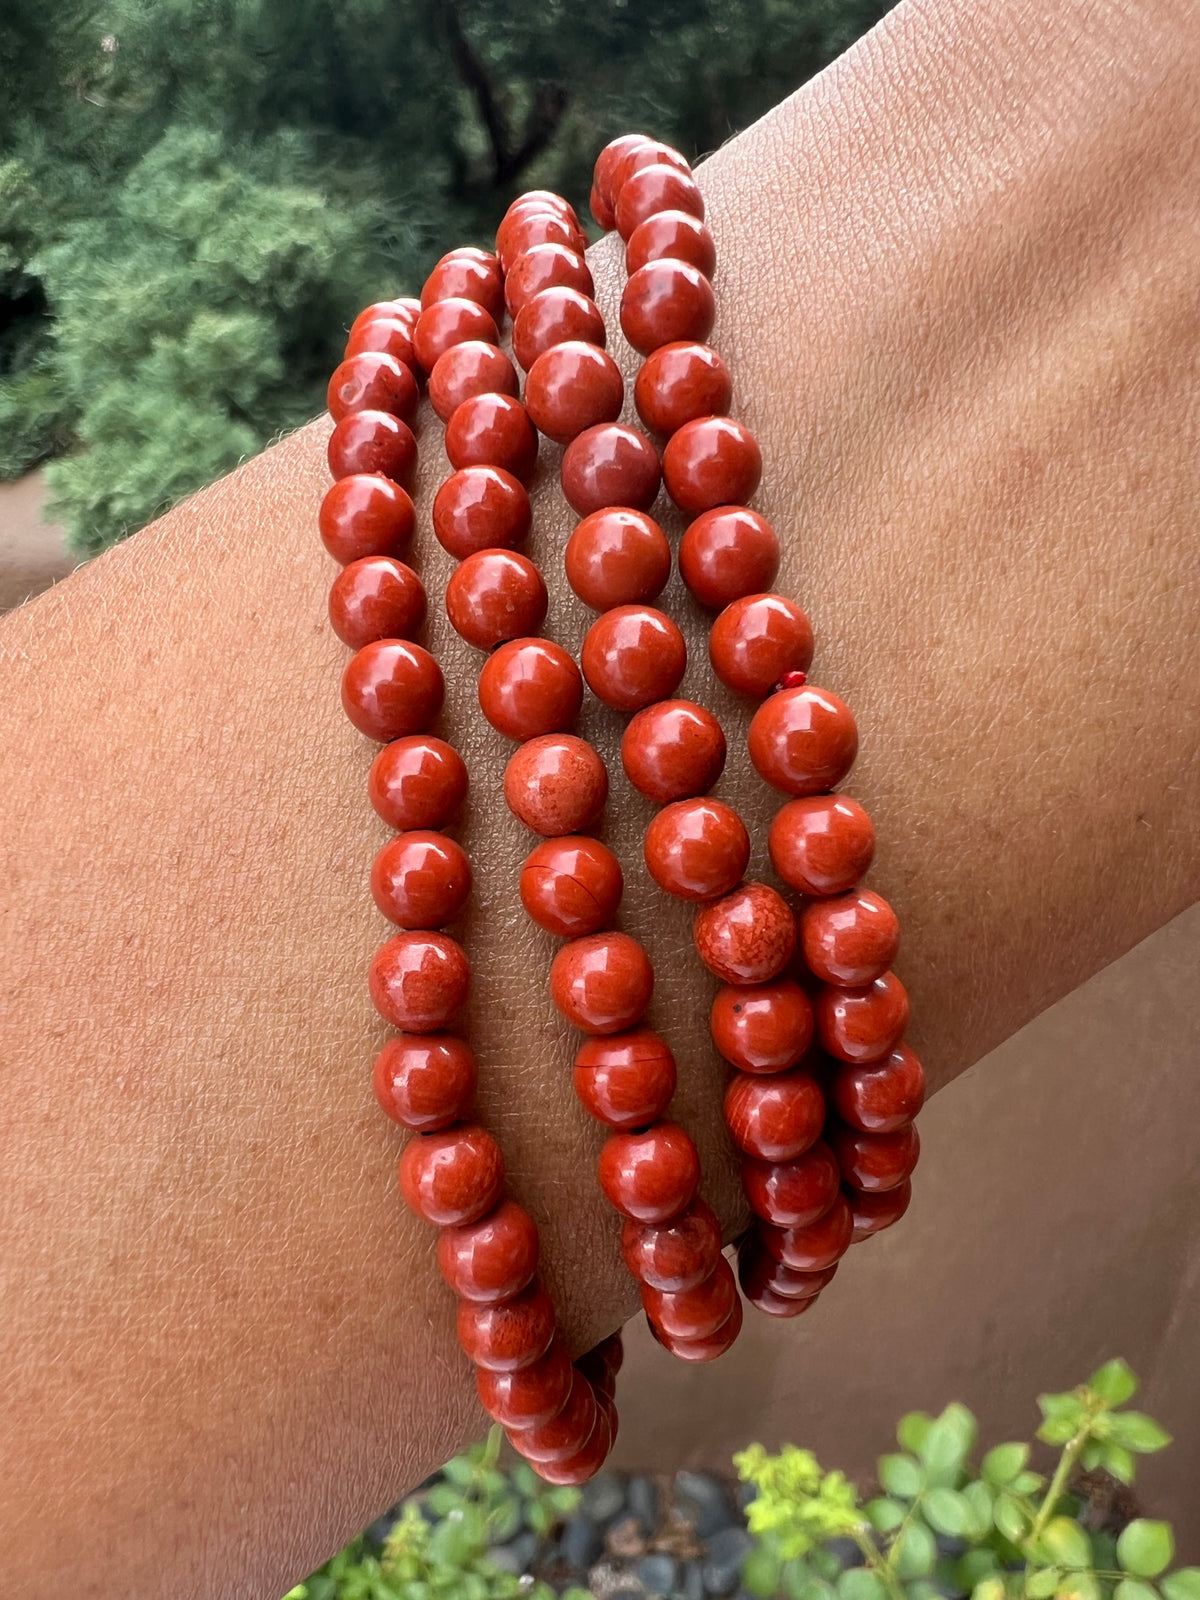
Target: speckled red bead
(566,1433)
(803,740)
(849,938)
(749,936)
(389,335)
(421,879)
(818,1245)
(674,1255)
(880,1096)
(793,1283)
(727,553)
(694,1313)
(791,1194)
(556,784)
(610,465)
(507,1335)
(469,369)
(406,308)
(495,595)
(607,164)
(680,382)
(647,153)
(417,782)
(763,1028)
(390,688)
(875,1162)
(632,656)
(665,302)
(821,844)
(756,640)
(655,188)
(555,316)
(528,225)
(713,461)
(862,1023)
(376,597)
(586,1462)
(696,849)
(771,1287)
(545,266)
(419,980)
(775,1118)
(493,430)
(425,1081)
(529,687)
(372,381)
(673,750)
(675,235)
(571,886)
(617,557)
(602,983)
(467,274)
(572,387)
(650,1176)
(707,1349)
(480,508)
(447,322)
(492,1259)
(366,514)
(530,1395)
(452,1177)
(370,442)
(625,1080)
(872,1213)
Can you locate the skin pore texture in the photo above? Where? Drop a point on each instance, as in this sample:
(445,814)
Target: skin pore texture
(957,289)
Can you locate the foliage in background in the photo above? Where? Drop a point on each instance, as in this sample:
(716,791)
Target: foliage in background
(196,195)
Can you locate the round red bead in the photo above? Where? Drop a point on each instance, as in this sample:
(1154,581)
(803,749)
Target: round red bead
(665,302)
(452,1177)
(546,266)
(566,1434)
(390,688)
(495,595)
(448,322)
(675,235)
(791,1282)
(822,844)
(675,1255)
(480,508)
(610,465)
(510,1334)
(406,309)
(703,1349)
(673,750)
(417,782)
(370,442)
(758,639)
(616,558)
(493,430)
(602,983)
(763,1028)
(863,1023)
(528,687)
(607,164)
(803,740)
(712,461)
(694,1313)
(697,849)
(492,1259)
(849,938)
(556,784)
(571,886)
(872,1213)
(875,1161)
(748,937)
(652,1175)
(531,1395)
(791,1194)
(770,1286)
(425,1081)
(421,879)
(384,335)
(655,188)
(633,655)
(466,370)
(572,387)
(775,1118)
(625,1080)
(818,1245)
(727,553)
(585,1463)
(372,381)
(648,153)
(467,274)
(880,1096)
(555,316)
(419,980)
(529,224)
(680,382)
(366,514)
(376,598)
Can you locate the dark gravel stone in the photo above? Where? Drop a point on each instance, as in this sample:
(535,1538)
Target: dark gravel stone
(582,1543)
(378,1531)
(603,1497)
(948,1545)
(726,1551)
(845,1552)
(706,1500)
(517,1556)
(642,1499)
(692,1587)
(627,1594)
(658,1573)
(746,1492)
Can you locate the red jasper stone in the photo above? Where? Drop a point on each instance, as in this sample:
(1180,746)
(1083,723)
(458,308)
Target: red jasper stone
(665,302)
(493,1259)
(406,309)
(791,1194)
(376,598)
(528,225)
(849,938)
(555,316)
(602,983)
(531,1395)
(652,1175)
(818,1245)
(390,688)
(372,381)
(417,782)
(680,382)
(546,266)
(556,784)
(872,1213)
(510,1334)
(617,558)
(655,188)
(712,461)
(373,442)
(493,430)
(633,655)
(675,1255)
(769,1285)
(366,514)
(467,274)
(452,1177)
(697,849)
(419,980)
(675,235)
(603,1361)
(565,1435)
(449,322)
(528,687)
(875,1162)
(703,1349)
(384,335)
(673,750)
(763,1028)
(572,387)
(467,370)
(694,1313)
(625,1080)
(481,508)
(863,1023)
(585,1463)
(758,639)
(803,740)
(880,1096)
(822,844)
(425,1081)
(421,879)
(610,465)
(571,886)
(607,164)
(495,595)
(775,1118)
(791,1282)
(650,152)
(747,937)
(727,553)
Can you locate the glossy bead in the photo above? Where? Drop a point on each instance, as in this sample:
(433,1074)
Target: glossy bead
(822,844)
(764,1281)
(528,687)
(533,200)
(449,322)
(376,598)
(467,274)
(366,514)
(775,1118)
(713,461)
(849,938)
(555,316)
(527,226)
(480,508)
(727,553)
(694,1313)
(372,381)
(875,1162)
(651,152)
(650,1176)
(633,655)
(673,750)
(390,688)
(610,465)
(818,1245)
(748,937)
(674,235)
(607,164)
(493,430)
(665,302)
(585,1463)
(417,782)
(406,309)
(707,1349)
(556,784)
(880,1096)
(791,1194)
(384,335)
(696,849)
(625,1080)
(758,639)
(546,266)
(791,1282)
(495,595)
(466,370)
(421,879)
(803,740)
(571,886)
(565,1434)
(675,1255)
(863,1023)
(493,1259)
(531,1395)
(602,983)
(872,1213)
(370,442)
(763,1028)
(425,1081)
(617,557)
(654,189)
(572,387)
(509,1334)
(680,382)
(452,1177)
(419,980)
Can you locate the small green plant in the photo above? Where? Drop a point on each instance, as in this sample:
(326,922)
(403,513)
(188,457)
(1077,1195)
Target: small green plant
(1003,1532)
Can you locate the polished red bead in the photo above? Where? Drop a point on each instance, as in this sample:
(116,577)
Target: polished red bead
(880,1096)
(625,1080)
(791,1194)
(610,465)
(366,514)
(419,980)
(556,784)
(452,1177)
(756,640)
(727,553)
(537,200)
(707,1349)
(680,382)
(495,595)
(370,442)
(872,1213)
(546,266)
(803,740)
(875,1162)
(822,844)
(425,1081)
(696,849)
(481,508)
(421,879)
(493,430)
(771,1287)
(617,557)
(372,381)
(673,750)
(712,461)
(797,1283)
(585,1463)
(608,163)
(762,1028)
(603,1362)
(566,1434)
(650,1175)
(653,189)
(863,1023)
(469,369)
(449,322)
(528,687)
(492,1259)
(384,335)
(390,688)
(747,937)
(849,938)
(555,316)
(674,235)
(508,1334)
(528,225)
(530,1395)
(818,1245)
(376,598)
(602,983)
(417,782)
(406,309)
(572,387)
(632,656)
(694,1313)
(665,302)
(675,1255)
(467,274)
(775,1118)
(571,886)
(646,153)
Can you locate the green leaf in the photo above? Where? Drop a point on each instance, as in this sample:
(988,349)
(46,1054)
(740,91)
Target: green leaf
(1010,1518)
(796,1579)
(1027,1483)
(901,1476)
(1134,1589)
(1114,1382)
(947,1445)
(1183,1584)
(1067,1543)
(504,1518)
(1145,1548)
(860,1583)
(539,1516)
(1002,1463)
(1040,1585)
(760,1572)
(1091,1456)
(912,1431)
(1136,1431)
(1116,1459)
(883,1514)
(444,1499)
(979,1500)
(1065,1415)
(1079,1586)
(972,1568)
(946,1511)
(914,1552)
(989,1589)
